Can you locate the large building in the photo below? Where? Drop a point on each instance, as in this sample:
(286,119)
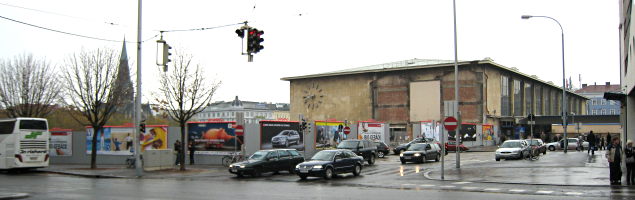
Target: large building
(407,92)
(254,112)
(597,104)
(627,75)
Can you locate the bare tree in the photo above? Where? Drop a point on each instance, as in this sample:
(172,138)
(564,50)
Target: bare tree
(90,77)
(29,87)
(183,93)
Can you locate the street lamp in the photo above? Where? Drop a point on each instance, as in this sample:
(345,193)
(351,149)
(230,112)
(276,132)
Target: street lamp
(564,93)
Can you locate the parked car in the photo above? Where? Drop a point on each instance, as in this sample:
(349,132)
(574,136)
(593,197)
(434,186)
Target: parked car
(329,163)
(572,144)
(364,148)
(286,137)
(382,149)
(420,152)
(538,146)
(512,149)
(402,147)
(451,146)
(263,161)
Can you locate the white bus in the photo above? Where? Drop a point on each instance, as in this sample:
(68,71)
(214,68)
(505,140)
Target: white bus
(24,143)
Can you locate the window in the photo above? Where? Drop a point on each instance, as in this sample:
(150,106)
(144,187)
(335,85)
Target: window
(505,102)
(33,124)
(612,112)
(604,111)
(594,102)
(7,127)
(284,153)
(518,99)
(538,97)
(294,153)
(272,154)
(529,99)
(603,101)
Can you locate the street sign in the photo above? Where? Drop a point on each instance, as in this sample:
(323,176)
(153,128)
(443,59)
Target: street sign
(347,130)
(450,123)
(239,130)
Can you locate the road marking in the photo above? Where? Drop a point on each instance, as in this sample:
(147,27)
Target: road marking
(543,192)
(469,188)
(574,193)
(461,183)
(491,189)
(407,184)
(516,190)
(447,186)
(427,185)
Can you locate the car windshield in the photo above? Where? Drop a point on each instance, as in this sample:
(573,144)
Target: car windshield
(259,155)
(324,155)
(533,142)
(417,147)
(284,133)
(508,144)
(347,145)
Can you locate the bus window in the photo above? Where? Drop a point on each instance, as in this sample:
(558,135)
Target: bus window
(33,124)
(7,127)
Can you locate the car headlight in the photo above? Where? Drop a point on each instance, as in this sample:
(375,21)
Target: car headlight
(317,167)
(231,166)
(401,154)
(242,166)
(297,166)
(417,154)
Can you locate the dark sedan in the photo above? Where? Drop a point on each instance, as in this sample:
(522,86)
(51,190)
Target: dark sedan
(267,161)
(420,153)
(329,163)
(382,149)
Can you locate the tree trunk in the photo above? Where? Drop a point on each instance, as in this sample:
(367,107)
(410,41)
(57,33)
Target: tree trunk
(182,157)
(93,153)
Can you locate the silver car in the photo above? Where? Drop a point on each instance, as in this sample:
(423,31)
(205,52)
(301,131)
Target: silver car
(285,138)
(572,144)
(512,149)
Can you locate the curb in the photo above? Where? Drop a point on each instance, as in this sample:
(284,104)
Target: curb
(86,175)
(427,176)
(13,195)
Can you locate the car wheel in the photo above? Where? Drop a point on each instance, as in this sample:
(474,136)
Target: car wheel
(521,155)
(380,154)
(328,174)
(357,170)
(437,158)
(403,162)
(371,160)
(552,148)
(498,159)
(291,170)
(239,174)
(423,159)
(446,152)
(257,173)
(302,176)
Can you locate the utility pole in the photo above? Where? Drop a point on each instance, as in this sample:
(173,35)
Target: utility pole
(137,115)
(456,93)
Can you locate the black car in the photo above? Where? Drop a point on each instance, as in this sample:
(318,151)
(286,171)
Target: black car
(267,161)
(329,163)
(382,149)
(402,147)
(364,148)
(420,153)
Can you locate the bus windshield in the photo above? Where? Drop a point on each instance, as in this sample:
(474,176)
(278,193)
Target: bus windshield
(33,124)
(7,127)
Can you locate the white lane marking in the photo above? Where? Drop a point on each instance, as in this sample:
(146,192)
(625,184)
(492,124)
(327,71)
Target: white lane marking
(407,184)
(543,192)
(427,185)
(516,190)
(461,183)
(447,186)
(491,189)
(469,188)
(574,193)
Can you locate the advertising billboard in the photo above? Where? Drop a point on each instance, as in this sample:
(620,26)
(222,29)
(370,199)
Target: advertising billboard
(431,129)
(118,140)
(61,143)
(371,130)
(281,134)
(155,137)
(468,132)
(216,138)
(488,132)
(328,134)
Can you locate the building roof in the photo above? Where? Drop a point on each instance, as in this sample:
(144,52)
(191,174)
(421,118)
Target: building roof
(418,64)
(598,89)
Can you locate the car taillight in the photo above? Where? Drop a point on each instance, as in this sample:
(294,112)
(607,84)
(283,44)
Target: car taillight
(19,157)
(46,158)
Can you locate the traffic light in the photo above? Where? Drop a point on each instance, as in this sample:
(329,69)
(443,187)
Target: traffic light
(166,56)
(254,39)
(142,127)
(240,33)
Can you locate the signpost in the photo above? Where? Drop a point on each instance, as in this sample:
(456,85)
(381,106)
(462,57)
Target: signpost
(450,124)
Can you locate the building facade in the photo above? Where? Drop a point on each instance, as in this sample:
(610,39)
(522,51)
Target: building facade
(407,92)
(597,104)
(254,112)
(627,75)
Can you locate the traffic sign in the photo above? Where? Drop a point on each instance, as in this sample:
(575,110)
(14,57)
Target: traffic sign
(347,130)
(450,123)
(238,129)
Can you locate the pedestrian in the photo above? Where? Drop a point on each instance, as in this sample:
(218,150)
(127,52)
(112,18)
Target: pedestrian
(117,144)
(591,139)
(602,143)
(608,141)
(629,152)
(190,147)
(128,142)
(177,148)
(614,156)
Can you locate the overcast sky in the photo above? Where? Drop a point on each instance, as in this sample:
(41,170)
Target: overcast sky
(305,37)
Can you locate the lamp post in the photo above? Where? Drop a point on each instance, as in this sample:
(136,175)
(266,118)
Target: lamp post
(564,92)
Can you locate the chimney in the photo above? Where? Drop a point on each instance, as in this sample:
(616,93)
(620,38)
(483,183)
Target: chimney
(608,83)
(584,85)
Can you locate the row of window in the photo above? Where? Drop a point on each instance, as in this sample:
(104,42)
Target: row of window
(602,102)
(233,114)
(605,112)
(524,97)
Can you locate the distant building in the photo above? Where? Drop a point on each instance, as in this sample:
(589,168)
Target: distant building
(253,111)
(597,104)
(123,81)
(627,71)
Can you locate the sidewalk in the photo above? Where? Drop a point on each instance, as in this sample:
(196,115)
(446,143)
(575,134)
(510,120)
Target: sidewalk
(121,171)
(7,195)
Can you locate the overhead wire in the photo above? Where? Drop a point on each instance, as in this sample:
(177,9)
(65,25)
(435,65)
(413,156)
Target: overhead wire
(59,14)
(58,31)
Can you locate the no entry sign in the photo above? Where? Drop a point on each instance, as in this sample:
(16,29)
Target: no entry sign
(450,123)
(347,130)
(239,130)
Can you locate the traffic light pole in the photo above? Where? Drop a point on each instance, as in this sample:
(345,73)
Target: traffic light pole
(137,115)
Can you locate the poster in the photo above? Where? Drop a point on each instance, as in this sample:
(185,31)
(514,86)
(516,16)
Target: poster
(328,134)
(370,131)
(216,138)
(61,143)
(488,132)
(281,134)
(468,132)
(118,140)
(428,129)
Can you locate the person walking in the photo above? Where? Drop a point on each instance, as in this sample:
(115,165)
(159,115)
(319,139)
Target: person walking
(614,156)
(177,148)
(591,139)
(191,149)
(629,153)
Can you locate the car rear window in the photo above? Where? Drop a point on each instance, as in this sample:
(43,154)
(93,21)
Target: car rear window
(283,153)
(294,153)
